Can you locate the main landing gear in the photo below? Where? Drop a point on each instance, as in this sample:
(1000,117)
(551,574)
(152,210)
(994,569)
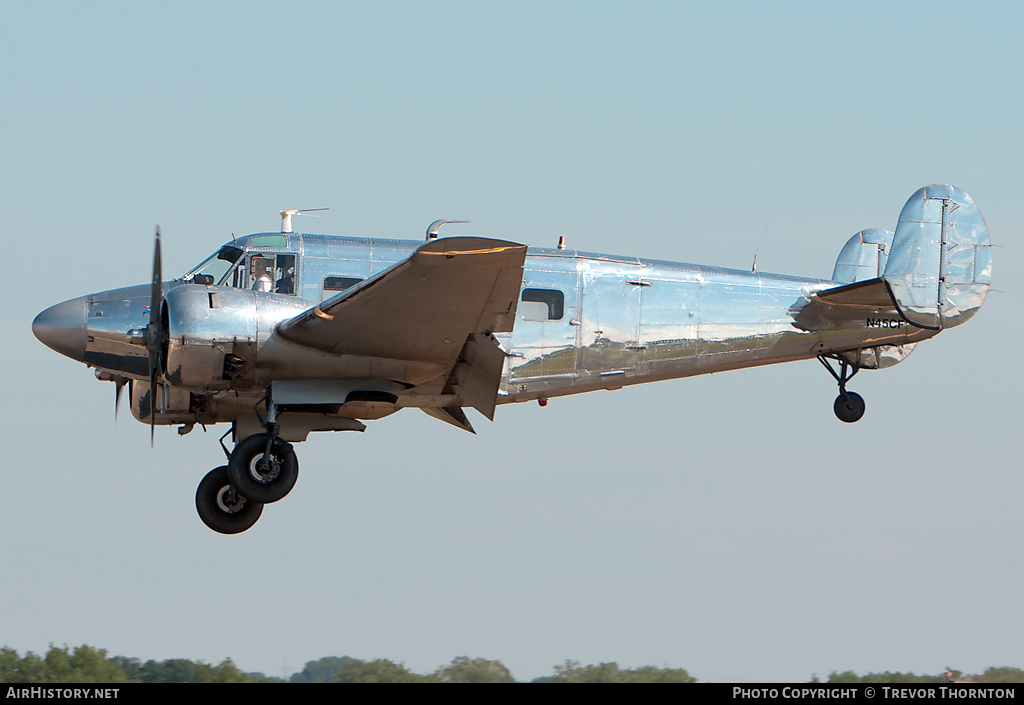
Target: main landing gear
(221,507)
(849,406)
(261,469)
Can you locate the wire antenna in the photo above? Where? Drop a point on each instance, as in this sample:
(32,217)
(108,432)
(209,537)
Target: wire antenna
(753,267)
(286,217)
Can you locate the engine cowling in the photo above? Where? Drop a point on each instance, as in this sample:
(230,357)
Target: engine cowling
(211,333)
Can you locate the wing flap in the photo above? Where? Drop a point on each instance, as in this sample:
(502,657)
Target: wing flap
(477,373)
(450,414)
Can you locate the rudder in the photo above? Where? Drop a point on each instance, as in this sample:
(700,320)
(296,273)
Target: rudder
(939,269)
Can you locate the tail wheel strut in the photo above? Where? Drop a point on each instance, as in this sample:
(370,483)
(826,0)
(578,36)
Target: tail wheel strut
(849,406)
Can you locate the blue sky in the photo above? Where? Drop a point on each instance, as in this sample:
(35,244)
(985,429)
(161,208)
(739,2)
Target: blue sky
(729,524)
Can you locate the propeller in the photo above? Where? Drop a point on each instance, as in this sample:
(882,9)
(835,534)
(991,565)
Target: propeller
(156,335)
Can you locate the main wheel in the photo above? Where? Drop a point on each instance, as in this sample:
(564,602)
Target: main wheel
(259,478)
(221,508)
(849,407)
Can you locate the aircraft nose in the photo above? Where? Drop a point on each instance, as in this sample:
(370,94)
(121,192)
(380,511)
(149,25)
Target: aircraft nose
(63,328)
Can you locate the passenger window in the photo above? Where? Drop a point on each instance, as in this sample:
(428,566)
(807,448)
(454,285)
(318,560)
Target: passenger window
(542,305)
(340,283)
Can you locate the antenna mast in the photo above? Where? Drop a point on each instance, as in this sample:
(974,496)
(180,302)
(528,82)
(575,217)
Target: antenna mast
(286,217)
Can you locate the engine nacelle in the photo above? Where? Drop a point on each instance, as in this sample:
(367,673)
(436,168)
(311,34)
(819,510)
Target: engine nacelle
(212,334)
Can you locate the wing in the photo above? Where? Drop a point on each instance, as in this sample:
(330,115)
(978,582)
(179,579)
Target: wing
(448,296)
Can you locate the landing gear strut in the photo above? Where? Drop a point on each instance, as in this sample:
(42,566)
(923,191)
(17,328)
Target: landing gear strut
(849,406)
(263,467)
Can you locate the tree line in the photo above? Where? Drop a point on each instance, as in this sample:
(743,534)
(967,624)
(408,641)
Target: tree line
(85,664)
(993,674)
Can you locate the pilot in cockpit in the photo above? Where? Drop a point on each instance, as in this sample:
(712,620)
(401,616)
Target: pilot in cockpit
(286,284)
(262,269)
(263,283)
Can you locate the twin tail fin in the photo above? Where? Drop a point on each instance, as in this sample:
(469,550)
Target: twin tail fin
(936,268)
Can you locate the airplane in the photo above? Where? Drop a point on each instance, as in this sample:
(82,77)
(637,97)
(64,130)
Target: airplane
(283,334)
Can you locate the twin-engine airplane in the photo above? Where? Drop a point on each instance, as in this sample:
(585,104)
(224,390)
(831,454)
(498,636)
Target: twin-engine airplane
(285,333)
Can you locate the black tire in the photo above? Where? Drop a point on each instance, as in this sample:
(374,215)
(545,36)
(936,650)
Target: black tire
(249,475)
(222,510)
(849,407)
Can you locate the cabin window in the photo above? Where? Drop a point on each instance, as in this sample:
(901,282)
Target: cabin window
(542,305)
(340,283)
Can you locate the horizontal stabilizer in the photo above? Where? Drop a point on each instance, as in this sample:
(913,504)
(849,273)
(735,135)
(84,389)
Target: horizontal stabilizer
(873,293)
(873,300)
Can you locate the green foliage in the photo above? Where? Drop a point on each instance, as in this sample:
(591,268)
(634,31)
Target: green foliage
(380,671)
(32,669)
(464,669)
(131,667)
(257,677)
(84,664)
(1001,674)
(224,672)
(9,665)
(323,670)
(180,670)
(886,677)
(573,672)
(175,670)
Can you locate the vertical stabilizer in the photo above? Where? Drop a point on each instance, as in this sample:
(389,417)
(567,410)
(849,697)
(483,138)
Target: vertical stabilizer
(863,257)
(940,266)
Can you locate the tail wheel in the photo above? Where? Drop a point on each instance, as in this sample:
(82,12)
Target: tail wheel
(221,507)
(263,477)
(849,406)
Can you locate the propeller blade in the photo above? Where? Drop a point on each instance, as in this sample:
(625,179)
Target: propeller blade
(118,386)
(156,334)
(156,296)
(152,404)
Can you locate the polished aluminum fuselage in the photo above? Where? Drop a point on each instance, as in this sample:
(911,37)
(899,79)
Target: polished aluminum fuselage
(631,320)
(329,329)
(622,321)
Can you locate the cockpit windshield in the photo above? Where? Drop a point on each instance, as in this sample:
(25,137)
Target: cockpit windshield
(214,269)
